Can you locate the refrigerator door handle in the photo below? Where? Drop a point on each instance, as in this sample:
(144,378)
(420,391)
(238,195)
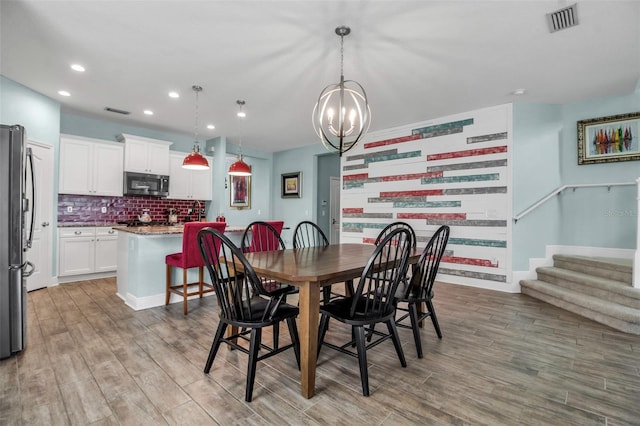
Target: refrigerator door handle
(33,198)
(27,273)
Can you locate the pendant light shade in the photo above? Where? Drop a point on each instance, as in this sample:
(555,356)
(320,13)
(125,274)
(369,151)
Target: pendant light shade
(195,160)
(240,168)
(342,115)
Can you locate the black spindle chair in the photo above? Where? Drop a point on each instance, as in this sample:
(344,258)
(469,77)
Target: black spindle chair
(371,303)
(243,303)
(419,291)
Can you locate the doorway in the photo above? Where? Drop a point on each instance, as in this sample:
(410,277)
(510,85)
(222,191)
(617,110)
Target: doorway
(334,207)
(40,253)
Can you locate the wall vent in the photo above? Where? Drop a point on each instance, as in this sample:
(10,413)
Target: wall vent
(564,18)
(117,111)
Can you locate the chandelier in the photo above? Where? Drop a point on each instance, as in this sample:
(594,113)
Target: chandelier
(240,168)
(195,160)
(342,115)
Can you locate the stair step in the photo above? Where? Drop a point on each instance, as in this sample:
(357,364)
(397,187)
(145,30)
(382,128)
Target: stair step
(614,315)
(601,288)
(605,267)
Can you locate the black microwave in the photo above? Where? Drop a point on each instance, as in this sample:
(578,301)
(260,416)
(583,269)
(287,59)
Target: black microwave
(146,184)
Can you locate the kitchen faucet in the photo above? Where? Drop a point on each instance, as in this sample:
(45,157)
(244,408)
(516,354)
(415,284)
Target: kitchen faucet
(197,202)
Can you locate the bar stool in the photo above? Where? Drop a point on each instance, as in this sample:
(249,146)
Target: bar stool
(190,257)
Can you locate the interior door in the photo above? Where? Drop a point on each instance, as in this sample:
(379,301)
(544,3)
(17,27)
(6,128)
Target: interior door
(334,207)
(40,253)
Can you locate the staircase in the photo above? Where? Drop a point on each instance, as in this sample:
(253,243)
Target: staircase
(594,287)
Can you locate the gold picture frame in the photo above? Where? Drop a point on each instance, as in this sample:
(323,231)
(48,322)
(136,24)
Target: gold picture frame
(240,192)
(609,139)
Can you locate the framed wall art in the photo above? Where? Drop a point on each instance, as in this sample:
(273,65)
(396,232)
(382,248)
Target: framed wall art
(240,192)
(291,186)
(609,139)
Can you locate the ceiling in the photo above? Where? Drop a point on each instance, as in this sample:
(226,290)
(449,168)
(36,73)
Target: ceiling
(417,60)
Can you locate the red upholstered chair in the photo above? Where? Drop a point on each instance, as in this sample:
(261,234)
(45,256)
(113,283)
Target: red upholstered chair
(190,257)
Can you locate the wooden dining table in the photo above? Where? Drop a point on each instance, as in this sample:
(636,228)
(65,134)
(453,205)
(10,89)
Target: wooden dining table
(310,269)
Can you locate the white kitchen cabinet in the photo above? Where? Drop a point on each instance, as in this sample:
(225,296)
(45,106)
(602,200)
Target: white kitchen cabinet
(145,155)
(87,250)
(106,251)
(185,184)
(90,166)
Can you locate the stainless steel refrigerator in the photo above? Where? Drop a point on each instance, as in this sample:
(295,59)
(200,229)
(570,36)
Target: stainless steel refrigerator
(17,196)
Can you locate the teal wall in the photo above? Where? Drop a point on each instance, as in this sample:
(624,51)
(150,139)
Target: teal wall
(328,166)
(535,173)
(81,125)
(295,210)
(40,116)
(545,158)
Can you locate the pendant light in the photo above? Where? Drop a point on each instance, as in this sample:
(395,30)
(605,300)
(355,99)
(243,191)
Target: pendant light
(240,168)
(342,115)
(195,160)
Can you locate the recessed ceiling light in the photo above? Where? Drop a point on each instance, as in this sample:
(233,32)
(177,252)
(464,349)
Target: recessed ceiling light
(148,112)
(174,95)
(63,93)
(210,126)
(519,92)
(77,67)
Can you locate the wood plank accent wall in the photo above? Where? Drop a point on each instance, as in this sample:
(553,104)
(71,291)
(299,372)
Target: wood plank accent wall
(455,171)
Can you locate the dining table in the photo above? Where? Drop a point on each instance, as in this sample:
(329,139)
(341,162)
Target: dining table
(309,269)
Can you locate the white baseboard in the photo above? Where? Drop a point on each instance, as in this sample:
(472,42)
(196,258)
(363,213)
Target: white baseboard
(146,302)
(84,277)
(589,251)
(488,285)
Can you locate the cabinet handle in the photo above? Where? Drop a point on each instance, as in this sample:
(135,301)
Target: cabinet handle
(78,232)
(111,231)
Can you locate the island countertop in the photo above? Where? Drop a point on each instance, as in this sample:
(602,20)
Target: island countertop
(166,230)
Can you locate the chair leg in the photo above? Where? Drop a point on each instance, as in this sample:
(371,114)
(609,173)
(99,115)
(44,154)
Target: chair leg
(254,347)
(393,330)
(326,294)
(168,296)
(362,358)
(413,315)
(293,332)
(276,335)
(222,327)
(201,280)
(322,331)
(184,291)
(434,319)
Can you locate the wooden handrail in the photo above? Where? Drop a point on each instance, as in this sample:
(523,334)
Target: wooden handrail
(558,190)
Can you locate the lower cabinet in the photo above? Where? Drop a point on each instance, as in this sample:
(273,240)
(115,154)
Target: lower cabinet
(87,250)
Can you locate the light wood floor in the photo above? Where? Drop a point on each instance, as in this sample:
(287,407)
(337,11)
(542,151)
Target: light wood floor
(505,359)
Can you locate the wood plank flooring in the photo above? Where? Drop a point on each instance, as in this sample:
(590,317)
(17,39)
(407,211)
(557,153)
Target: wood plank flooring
(505,359)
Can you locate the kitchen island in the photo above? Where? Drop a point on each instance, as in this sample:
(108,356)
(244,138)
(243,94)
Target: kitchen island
(141,276)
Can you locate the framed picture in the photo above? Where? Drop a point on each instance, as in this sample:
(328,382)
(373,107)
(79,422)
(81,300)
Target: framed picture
(291,185)
(240,192)
(609,139)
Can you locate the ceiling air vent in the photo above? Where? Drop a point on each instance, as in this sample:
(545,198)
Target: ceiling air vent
(564,18)
(117,111)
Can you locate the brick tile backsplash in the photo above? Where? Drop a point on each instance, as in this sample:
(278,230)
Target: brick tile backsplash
(87,209)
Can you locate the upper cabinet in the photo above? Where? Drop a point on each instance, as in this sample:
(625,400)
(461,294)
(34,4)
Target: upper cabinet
(90,166)
(185,184)
(145,155)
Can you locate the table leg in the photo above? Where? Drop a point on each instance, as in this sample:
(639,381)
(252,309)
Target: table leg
(308,329)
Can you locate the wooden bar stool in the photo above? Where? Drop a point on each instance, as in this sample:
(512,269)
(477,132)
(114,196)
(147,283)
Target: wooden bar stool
(190,257)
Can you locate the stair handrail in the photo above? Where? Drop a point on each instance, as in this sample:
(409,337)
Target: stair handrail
(560,189)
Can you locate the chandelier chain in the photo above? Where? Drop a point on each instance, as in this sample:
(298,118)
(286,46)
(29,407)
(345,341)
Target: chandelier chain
(341,55)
